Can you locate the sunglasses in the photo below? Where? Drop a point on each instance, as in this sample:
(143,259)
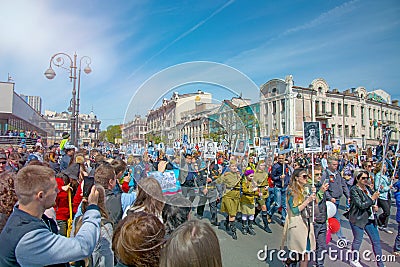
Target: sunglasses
(364,178)
(3,162)
(369,166)
(304,175)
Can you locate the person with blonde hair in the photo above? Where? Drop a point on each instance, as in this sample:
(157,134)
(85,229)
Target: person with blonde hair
(298,228)
(194,244)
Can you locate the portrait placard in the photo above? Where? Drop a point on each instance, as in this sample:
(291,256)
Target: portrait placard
(312,136)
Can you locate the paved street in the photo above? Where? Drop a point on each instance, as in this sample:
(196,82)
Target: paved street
(243,252)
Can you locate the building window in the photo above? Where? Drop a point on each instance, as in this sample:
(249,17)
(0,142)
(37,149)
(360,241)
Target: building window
(283,105)
(274,107)
(339,108)
(370,132)
(362,117)
(316,107)
(353,130)
(345,111)
(352,111)
(323,107)
(333,129)
(333,108)
(346,130)
(340,130)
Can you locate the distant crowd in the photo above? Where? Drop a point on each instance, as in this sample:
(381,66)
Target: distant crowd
(89,208)
(20,133)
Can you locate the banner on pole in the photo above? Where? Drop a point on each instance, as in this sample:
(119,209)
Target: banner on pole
(312,136)
(210,149)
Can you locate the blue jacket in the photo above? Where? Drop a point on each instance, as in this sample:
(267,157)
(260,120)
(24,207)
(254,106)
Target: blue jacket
(384,181)
(277,171)
(30,241)
(397,198)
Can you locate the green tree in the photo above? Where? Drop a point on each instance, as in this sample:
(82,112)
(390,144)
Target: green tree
(113,132)
(102,136)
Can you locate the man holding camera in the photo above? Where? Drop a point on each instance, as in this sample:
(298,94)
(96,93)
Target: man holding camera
(30,238)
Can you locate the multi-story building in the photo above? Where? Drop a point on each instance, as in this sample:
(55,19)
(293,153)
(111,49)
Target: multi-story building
(134,131)
(195,123)
(34,101)
(235,119)
(164,122)
(352,115)
(17,115)
(89,126)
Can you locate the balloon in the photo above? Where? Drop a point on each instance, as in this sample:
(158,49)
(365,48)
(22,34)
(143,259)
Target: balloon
(328,236)
(333,225)
(330,209)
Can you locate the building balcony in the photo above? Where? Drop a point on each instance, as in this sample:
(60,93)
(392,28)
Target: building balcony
(323,115)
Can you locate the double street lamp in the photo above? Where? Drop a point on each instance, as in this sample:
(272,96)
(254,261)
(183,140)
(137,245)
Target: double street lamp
(59,60)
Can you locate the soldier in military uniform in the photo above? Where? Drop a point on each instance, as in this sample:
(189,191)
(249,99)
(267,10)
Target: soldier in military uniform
(251,165)
(231,197)
(208,192)
(312,140)
(247,205)
(261,179)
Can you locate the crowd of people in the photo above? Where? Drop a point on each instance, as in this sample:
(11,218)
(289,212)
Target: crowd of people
(20,133)
(89,208)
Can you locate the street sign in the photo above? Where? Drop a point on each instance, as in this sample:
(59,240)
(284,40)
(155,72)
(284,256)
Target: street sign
(298,140)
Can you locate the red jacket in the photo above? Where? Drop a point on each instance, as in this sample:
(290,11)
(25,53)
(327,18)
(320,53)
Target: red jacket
(77,198)
(61,207)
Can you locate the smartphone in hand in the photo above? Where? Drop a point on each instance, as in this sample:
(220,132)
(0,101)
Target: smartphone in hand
(88,183)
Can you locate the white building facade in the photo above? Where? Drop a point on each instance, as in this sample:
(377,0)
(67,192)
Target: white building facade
(134,132)
(89,127)
(167,120)
(353,115)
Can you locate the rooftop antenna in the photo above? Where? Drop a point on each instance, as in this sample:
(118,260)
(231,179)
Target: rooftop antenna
(9,79)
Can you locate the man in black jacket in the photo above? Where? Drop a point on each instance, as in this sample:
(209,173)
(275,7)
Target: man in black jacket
(281,176)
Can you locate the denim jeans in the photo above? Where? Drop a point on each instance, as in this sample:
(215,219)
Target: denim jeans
(397,240)
(373,234)
(280,199)
(320,239)
(337,216)
(269,202)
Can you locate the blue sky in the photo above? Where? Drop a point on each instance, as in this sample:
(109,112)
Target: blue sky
(348,43)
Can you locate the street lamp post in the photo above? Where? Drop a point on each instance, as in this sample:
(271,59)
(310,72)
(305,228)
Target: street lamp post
(87,70)
(59,61)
